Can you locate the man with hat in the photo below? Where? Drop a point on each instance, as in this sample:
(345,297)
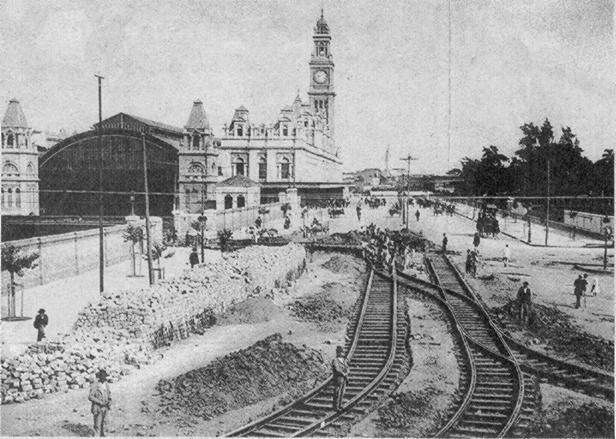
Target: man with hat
(100,397)
(40,323)
(340,369)
(524,301)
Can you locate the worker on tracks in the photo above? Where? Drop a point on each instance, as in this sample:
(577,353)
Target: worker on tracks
(340,369)
(524,301)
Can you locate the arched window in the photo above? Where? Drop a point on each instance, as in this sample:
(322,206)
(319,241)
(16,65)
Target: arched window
(285,130)
(285,167)
(2,139)
(2,197)
(238,166)
(196,141)
(228,202)
(195,168)
(241,201)
(262,168)
(10,140)
(9,198)
(10,168)
(17,198)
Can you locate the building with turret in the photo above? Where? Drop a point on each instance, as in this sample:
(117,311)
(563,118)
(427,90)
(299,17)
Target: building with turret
(298,149)
(20,181)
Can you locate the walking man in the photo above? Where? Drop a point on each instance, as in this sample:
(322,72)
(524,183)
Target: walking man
(506,255)
(340,369)
(258,222)
(100,397)
(193,258)
(445,240)
(40,323)
(524,301)
(476,240)
(583,288)
(417,214)
(358,210)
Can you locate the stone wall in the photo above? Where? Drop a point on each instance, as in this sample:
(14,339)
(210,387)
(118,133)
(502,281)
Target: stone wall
(124,327)
(589,222)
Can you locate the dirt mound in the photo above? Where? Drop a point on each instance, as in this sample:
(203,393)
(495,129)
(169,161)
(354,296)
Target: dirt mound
(350,238)
(252,310)
(266,369)
(319,308)
(587,420)
(554,328)
(340,263)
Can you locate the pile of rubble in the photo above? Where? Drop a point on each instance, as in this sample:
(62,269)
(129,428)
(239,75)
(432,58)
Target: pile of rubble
(319,308)
(266,369)
(124,327)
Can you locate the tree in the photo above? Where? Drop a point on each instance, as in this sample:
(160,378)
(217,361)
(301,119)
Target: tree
(15,263)
(604,170)
(134,235)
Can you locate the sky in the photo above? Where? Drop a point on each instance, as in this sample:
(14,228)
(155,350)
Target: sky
(512,62)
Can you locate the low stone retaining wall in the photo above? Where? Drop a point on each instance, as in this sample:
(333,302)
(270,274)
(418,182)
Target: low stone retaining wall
(124,327)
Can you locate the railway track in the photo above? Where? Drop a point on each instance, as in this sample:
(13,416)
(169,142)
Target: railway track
(583,379)
(549,369)
(378,360)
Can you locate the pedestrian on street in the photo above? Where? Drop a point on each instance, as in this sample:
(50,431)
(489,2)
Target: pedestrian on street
(358,210)
(100,397)
(467,265)
(506,255)
(476,240)
(340,369)
(193,258)
(584,287)
(595,289)
(417,214)
(40,323)
(524,302)
(474,262)
(258,222)
(445,240)
(577,290)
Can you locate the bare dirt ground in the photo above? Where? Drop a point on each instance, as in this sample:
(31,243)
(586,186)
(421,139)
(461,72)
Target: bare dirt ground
(416,407)
(68,414)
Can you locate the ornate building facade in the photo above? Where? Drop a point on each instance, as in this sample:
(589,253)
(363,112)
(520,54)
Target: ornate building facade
(20,182)
(299,148)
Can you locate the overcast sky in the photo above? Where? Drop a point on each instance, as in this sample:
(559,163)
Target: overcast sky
(513,61)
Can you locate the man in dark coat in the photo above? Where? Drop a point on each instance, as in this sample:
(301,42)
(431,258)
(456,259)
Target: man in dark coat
(476,239)
(40,323)
(340,369)
(577,290)
(445,240)
(524,301)
(193,258)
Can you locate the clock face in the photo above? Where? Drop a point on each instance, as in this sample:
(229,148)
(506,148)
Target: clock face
(320,77)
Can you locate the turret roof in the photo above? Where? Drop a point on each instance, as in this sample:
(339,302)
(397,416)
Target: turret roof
(197,119)
(238,181)
(14,116)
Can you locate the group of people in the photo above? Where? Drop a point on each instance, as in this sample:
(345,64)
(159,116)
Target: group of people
(580,286)
(387,250)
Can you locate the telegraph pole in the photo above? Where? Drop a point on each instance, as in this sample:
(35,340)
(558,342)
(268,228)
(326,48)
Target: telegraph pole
(407,159)
(101,237)
(147,211)
(547,210)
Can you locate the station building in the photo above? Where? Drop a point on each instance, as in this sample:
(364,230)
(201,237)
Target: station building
(189,169)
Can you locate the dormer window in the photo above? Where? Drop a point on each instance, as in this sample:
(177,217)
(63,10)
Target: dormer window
(195,141)
(240,131)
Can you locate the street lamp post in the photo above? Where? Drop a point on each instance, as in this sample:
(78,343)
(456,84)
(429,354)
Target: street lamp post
(407,159)
(101,243)
(147,211)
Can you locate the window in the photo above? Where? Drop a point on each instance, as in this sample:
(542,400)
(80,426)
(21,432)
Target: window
(241,201)
(238,166)
(284,169)
(17,197)
(10,140)
(220,171)
(187,198)
(240,131)
(195,168)
(2,197)
(9,168)
(285,131)
(195,141)
(294,132)
(228,202)
(262,168)
(2,139)
(9,201)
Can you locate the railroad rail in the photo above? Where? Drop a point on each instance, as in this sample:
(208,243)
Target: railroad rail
(377,352)
(587,380)
(584,379)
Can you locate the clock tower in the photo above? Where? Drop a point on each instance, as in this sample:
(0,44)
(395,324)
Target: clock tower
(321,91)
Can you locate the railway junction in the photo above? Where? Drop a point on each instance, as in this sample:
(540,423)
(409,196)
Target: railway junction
(433,351)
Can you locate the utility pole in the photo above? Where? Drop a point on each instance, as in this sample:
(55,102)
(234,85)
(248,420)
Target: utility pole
(202,219)
(101,236)
(407,159)
(147,211)
(547,209)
